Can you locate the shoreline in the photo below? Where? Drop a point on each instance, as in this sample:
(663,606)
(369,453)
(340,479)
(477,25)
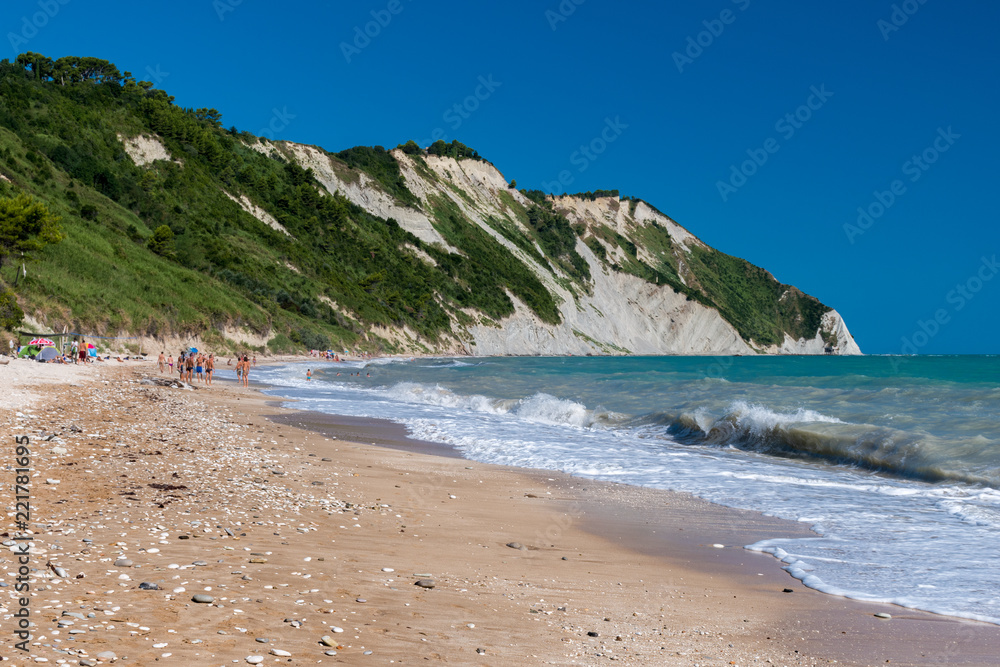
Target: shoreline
(670,599)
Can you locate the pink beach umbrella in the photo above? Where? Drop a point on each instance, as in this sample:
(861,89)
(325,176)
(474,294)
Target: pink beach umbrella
(42,342)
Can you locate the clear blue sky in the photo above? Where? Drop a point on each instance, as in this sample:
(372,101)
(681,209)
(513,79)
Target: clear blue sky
(557,77)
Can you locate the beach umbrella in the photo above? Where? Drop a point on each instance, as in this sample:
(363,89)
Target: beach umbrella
(42,342)
(90,346)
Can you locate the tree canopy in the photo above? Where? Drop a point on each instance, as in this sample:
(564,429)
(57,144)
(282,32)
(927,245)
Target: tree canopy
(25,226)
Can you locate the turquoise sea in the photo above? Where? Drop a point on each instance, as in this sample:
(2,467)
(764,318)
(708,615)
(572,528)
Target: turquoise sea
(893,461)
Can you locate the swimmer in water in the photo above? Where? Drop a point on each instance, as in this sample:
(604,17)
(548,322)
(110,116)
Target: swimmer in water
(309,374)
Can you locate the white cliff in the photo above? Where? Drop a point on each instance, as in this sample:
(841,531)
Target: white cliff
(617,313)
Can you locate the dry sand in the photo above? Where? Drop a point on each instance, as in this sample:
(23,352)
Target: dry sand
(296,533)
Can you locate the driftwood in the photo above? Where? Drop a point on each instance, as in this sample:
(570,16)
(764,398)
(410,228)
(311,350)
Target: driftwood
(163,382)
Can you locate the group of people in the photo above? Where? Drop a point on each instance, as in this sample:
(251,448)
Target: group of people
(197,366)
(190,365)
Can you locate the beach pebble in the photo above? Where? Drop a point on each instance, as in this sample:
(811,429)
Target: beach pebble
(787,590)
(203,599)
(388,569)
(106,656)
(424,583)
(60,450)
(200,563)
(149,586)
(160,645)
(593,634)
(336,629)
(719,546)
(123,562)
(327,640)
(362,600)
(262,640)
(884,615)
(255,659)
(516,545)
(281,654)
(481,651)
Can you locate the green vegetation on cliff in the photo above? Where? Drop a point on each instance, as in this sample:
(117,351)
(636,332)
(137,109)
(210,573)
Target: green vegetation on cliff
(167,246)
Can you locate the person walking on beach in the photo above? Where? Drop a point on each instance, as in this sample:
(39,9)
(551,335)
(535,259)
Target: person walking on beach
(209,367)
(83,351)
(199,367)
(246,371)
(161,362)
(255,361)
(189,367)
(170,363)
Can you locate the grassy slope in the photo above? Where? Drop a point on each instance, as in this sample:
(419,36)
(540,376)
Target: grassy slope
(60,144)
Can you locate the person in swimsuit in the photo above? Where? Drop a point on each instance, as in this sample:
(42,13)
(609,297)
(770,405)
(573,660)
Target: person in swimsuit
(199,367)
(170,363)
(209,367)
(161,361)
(189,367)
(246,370)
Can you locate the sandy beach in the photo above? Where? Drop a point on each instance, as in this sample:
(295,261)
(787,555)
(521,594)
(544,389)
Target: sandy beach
(308,544)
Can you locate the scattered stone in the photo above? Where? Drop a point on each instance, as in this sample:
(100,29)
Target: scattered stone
(327,640)
(281,654)
(149,586)
(481,651)
(362,600)
(592,633)
(883,615)
(123,562)
(336,629)
(788,590)
(106,656)
(255,659)
(199,563)
(258,560)
(203,599)
(517,545)
(424,583)
(262,640)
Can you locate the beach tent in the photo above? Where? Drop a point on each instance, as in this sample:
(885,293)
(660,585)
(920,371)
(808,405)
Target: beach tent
(47,353)
(28,351)
(91,350)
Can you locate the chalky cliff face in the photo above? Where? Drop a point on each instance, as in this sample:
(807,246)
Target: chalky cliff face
(633,252)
